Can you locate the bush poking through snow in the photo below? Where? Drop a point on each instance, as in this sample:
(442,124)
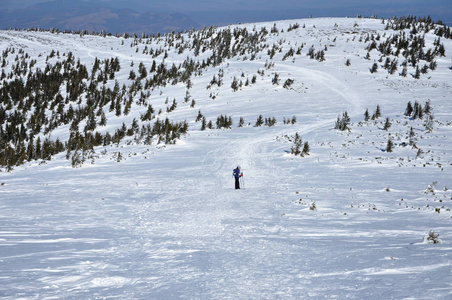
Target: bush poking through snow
(432,238)
(288,83)
(313,206)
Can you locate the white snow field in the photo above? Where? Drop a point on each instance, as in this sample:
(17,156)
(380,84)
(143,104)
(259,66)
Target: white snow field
(348,221)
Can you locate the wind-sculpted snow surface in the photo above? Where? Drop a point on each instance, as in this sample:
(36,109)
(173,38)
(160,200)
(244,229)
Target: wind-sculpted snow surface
(163,221)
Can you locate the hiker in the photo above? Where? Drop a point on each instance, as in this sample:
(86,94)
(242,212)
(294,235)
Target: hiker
(237,174)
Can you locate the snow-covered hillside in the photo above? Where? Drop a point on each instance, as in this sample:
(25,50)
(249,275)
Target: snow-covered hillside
(121,209)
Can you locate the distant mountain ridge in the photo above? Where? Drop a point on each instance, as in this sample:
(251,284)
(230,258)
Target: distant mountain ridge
(80,15)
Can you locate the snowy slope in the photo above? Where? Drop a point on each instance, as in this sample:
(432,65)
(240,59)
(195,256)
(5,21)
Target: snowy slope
(347,221)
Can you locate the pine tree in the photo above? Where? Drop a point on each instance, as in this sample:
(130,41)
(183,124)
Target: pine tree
(241,122)
(404,72)
(366,115)
(91,123)
(389,145)
(142,70)
(387,124)
(203,124)
(22,153)
(37,154)
(378,112)
(374,68)
(306,149)
(408,109)
(297,142)
(30,150)
(275,79)
(148,115)
(429,123)
(235,84)
(427,107)
(417,74)
(153,67)
(132,75)
(412,140)
(342,123)
(393,67)
(259,121)
(417,111)
(199,117)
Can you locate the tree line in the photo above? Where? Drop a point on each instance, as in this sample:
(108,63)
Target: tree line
(37,101)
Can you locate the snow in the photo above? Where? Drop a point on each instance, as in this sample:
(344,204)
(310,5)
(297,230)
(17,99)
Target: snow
(166,222)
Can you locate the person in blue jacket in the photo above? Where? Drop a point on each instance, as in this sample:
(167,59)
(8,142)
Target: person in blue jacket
(237,174)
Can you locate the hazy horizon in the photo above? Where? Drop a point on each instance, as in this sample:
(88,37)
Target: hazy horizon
(234,11)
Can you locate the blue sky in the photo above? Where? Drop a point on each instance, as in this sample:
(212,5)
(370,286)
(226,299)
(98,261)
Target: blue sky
(270,9)
(251,4)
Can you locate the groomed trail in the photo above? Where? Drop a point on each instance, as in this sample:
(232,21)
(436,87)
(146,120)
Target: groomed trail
(222,234)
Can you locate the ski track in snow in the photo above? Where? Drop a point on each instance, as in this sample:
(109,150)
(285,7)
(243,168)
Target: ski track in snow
(202,239)
(334,84)
(166,223)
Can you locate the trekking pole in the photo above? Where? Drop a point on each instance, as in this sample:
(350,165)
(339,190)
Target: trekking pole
(243,182)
